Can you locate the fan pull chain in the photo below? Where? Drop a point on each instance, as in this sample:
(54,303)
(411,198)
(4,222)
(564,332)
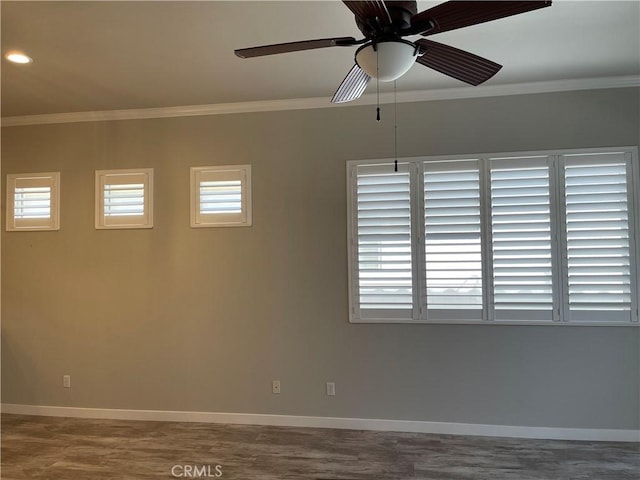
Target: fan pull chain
(377,88)
(395,125)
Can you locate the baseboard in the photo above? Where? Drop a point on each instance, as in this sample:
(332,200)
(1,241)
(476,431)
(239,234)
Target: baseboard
(550,433)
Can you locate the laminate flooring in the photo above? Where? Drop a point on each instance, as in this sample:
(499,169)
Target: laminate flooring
(84,449)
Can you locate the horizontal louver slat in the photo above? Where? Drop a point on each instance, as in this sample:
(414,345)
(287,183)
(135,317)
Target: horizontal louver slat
(384,239)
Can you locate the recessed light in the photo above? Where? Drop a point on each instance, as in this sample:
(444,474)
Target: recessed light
(17,57)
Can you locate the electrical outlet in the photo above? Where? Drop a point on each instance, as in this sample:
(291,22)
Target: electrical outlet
(331,389)
(275,387)
(66,381)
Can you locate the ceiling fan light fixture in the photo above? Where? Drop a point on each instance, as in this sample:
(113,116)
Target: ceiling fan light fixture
(386,56)
(388,61)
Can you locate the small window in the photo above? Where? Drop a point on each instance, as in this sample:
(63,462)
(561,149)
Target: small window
(221,196)
(124,198)
(33,201)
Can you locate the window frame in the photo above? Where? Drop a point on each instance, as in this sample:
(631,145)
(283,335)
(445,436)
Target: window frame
(559,315)
(45,179)
(198,219)
(137,175)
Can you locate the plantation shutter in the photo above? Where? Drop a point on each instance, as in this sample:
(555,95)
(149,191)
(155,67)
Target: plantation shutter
(382,244)
(123,198)
(220,196)
(526,238)
(598,237)
(30,200)
(33,201)
(452,227)
(521,238)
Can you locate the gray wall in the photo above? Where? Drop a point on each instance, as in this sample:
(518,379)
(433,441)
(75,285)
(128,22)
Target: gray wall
(175,318)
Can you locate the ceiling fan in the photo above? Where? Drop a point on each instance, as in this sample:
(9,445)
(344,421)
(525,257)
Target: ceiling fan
(384,53)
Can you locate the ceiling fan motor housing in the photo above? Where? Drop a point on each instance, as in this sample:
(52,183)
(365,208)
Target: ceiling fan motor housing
(397,21)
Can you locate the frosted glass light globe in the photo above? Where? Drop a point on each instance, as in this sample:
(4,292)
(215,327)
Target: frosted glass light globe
(391,60)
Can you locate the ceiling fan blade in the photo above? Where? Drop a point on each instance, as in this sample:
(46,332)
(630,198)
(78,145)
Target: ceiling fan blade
(352,86)
(370,9)
(294,46)
(457,14)
(456,63)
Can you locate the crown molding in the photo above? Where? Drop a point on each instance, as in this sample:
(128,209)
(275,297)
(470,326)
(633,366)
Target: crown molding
(323,102)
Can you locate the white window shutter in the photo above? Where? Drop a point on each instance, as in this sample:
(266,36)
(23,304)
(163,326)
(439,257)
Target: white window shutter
(33,201)
(221,196)
(381,242)
(452,232)
(522,238)
(598,237)
(124,198)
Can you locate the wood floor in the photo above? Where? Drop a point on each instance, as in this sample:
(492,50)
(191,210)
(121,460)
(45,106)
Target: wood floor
(81,449)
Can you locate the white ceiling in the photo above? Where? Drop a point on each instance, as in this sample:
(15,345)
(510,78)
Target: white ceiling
(94,56)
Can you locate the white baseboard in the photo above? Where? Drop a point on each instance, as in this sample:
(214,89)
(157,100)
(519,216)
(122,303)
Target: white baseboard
(550,433)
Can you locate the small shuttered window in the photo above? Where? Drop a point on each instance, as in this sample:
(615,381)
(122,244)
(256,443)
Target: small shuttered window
(33,201)
(221,196)
(124,198)
(531,238)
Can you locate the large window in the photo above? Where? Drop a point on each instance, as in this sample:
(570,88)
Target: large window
(543,237)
